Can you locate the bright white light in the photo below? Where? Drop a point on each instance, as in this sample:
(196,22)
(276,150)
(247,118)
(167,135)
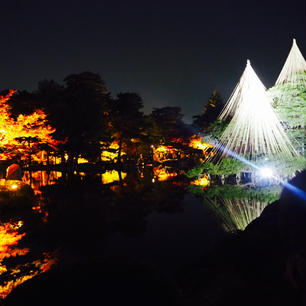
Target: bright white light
(14,187)
(266,172)
(254,129)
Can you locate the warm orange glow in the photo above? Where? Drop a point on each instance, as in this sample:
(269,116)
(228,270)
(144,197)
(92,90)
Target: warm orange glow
(9,239)
(112,154)
(14,187)
(38,179)
(204,181)
(10,185)
(196,143)
(162,173)
(164,153)
(82,160)
(41,266)
(31,130)
(112,176)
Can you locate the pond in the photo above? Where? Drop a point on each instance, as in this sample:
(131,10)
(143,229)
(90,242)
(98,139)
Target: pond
(153,217)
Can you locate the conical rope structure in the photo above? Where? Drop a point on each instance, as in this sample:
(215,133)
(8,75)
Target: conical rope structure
(254,130)
(236,214)
(289,98)
(294,68)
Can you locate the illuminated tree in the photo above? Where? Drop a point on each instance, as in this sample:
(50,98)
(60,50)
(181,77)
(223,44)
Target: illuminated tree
(289,97)
(254,130)
(25,127)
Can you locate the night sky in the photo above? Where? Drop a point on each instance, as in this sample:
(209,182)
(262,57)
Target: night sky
(173,53)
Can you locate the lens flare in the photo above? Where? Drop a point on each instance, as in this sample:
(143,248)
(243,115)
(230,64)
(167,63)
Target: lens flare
(298,192)
(266,172)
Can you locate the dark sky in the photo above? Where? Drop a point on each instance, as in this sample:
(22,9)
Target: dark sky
(170,52)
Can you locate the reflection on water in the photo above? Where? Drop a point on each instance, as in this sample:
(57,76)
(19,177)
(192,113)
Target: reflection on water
(203,181)
(112,176)
(10,237)
(78,214)
(164,173)
(237,207)
(236,214)
(10,185)
(38,179)
(12,276)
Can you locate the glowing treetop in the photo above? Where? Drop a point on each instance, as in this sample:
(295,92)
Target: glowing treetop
(25,128)
(254,129)
(294,66)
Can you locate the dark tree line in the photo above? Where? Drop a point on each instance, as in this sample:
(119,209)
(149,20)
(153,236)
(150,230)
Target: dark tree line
(88,119)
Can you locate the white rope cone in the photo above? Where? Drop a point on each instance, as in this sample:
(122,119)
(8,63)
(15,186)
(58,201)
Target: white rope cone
(254,129)
(293,67)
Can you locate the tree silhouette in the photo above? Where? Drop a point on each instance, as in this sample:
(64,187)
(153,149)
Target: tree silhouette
(168,122)
(79,110)
(210,112)
(126,120)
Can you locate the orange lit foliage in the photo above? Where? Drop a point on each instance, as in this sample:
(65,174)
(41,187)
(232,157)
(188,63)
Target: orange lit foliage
(110,152)
(32,130)
(164,153)
(196,143)
(163,173)
(112,176)
(204,181)
(9,238)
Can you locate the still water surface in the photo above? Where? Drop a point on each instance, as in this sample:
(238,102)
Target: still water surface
(161,222)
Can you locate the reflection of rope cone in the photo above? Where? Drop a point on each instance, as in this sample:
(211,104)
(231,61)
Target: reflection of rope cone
(236,214)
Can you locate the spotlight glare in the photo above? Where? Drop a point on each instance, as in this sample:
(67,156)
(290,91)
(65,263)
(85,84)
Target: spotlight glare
(266,172)
(14,187)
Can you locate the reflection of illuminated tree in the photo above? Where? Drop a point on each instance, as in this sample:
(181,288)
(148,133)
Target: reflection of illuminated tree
(163,173)
(15,274)
(111,176)
(235,206)
(236,214)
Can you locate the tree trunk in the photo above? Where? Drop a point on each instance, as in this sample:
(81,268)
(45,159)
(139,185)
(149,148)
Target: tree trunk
(119,151)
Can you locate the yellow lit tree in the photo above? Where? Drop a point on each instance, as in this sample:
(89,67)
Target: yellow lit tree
(25,134)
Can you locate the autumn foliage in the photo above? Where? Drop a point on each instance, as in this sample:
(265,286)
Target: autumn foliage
(23,136)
